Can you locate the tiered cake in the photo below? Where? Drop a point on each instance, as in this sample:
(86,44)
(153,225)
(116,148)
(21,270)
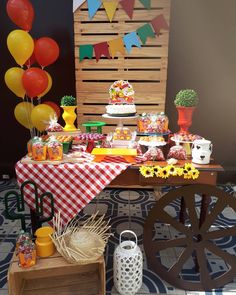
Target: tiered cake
(121,102)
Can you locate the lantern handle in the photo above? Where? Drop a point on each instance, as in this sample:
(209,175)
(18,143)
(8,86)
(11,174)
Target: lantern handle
(130,232)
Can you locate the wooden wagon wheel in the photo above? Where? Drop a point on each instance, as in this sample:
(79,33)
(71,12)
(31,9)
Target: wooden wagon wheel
(197,238)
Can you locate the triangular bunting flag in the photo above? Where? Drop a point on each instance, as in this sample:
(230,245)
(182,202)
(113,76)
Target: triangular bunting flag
(93,6)
(101,49)
(115,46)
(130,40)
(77,4)
(128,6)
(144,32)
(110,8)
(159,23)
(146,3)
(85,51)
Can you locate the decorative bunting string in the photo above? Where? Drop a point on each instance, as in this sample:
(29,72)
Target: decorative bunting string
(111,48)
(110,8)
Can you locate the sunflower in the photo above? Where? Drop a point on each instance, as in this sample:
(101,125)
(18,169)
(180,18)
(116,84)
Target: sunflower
(179,171)
(146,171)
(189,167)
(195,173)
(187,174)
(172,170)
(156,169)
(164,172)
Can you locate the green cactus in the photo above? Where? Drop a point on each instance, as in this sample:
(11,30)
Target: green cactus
(186,98)
(68,100)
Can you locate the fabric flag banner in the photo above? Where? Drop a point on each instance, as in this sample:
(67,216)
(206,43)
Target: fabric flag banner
(130,40)
(101,49)
(128,6)
(115,46)
(93,6)
(144,32)
(110,8)
(85,51)
(159,23)
(146,3)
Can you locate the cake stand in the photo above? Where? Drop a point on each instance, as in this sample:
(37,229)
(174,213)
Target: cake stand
(120,119)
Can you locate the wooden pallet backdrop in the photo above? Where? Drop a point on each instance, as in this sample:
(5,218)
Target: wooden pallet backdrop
(145,68)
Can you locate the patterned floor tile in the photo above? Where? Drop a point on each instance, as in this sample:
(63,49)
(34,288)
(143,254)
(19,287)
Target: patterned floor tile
(128,209)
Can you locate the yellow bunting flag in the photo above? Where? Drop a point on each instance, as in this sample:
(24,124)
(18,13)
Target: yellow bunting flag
(110,8)
(115,46)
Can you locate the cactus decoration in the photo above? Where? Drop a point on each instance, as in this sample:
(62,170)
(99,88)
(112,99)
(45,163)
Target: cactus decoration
(20,204)
(68,100)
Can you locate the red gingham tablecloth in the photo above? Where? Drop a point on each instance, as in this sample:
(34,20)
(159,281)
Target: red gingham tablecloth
(72,185)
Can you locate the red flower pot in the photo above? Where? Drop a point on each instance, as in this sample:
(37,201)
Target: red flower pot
(185,115)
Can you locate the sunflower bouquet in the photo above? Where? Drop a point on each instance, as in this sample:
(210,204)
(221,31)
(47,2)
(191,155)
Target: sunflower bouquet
(188,171)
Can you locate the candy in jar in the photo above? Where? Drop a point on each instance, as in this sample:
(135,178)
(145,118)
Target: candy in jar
(39,151)
(22,237)
(162,123)
(27,254)
(55,150)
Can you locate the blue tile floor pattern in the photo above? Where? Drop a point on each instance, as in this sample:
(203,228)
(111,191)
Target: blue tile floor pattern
(128,209)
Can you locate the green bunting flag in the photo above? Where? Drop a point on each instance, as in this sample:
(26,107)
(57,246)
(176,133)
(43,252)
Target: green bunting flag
(144,32)
(146,3)
(85,51)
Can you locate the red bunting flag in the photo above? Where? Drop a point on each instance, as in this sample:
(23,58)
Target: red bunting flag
(128,6)
(101,49)
(159,23)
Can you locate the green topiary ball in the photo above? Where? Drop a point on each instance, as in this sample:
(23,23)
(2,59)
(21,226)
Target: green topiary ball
(68,100)
(186,98)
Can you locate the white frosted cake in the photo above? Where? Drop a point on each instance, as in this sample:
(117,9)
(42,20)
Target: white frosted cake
(121,102)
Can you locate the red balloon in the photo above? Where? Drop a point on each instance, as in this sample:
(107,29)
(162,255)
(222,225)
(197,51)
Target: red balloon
(46,51)
(32,60)
(55,107)
(35,81)
(21,12)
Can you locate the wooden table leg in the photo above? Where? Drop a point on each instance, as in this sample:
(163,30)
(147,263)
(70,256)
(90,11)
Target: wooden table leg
(182,211)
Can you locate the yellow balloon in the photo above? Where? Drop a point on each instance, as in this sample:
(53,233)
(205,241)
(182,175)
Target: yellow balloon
(22,114)
(20,45)
(13,80)
(49,85)
(41,116)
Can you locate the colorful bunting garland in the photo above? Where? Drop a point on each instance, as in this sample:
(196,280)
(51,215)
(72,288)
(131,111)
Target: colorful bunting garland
(110,48)
(110,7)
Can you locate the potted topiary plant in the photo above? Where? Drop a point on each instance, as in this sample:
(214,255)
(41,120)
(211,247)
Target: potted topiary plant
(68,104)
(186,101)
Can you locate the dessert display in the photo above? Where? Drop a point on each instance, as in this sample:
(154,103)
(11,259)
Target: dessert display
(153,123)
(152,140)
(54,150)
(122,133)
(177,152)
(121,102)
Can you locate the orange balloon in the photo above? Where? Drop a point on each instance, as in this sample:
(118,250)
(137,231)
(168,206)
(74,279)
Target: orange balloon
(41,116)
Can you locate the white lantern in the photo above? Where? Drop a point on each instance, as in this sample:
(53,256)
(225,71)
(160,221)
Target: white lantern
(128,266)
(201,151)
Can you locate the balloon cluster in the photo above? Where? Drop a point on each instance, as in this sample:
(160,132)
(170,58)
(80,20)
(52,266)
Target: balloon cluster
(27,82)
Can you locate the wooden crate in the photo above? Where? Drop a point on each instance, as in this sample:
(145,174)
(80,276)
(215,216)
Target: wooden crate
(53,275)
(145,68)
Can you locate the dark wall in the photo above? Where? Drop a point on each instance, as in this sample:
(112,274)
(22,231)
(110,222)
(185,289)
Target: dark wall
(202,56)
(54,19)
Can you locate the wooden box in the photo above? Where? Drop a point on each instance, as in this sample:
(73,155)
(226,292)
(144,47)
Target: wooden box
(53,275)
